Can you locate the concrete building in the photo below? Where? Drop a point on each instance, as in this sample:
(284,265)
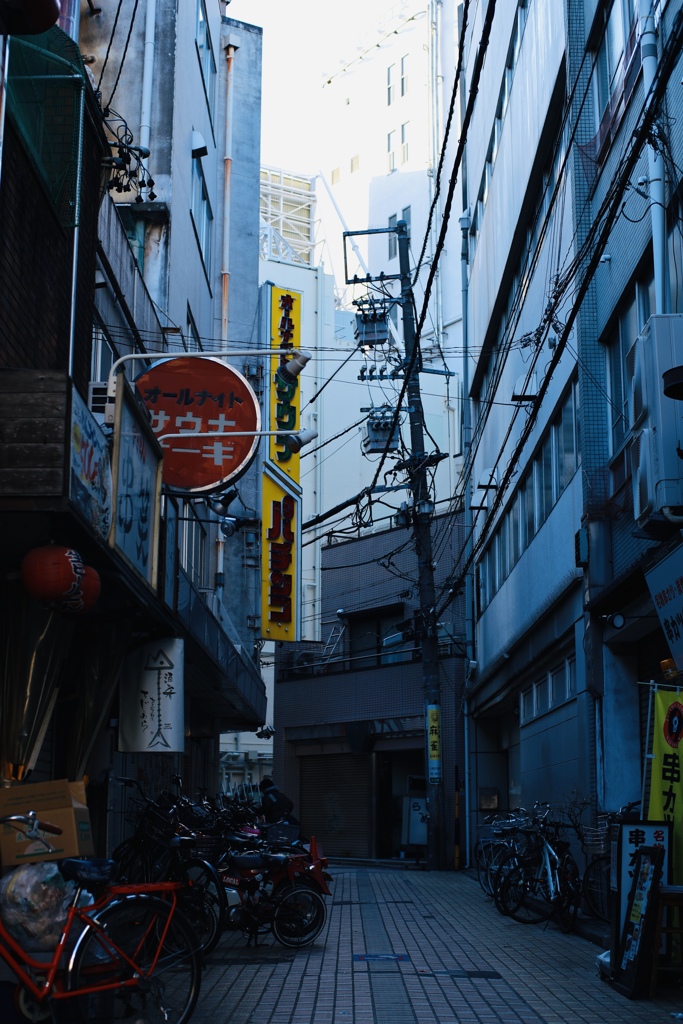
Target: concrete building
(566,266)
(128,208)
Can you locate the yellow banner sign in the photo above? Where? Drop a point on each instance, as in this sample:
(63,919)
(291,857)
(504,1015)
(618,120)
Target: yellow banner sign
(285,404)
(281,526)
(434,742)
(666,791)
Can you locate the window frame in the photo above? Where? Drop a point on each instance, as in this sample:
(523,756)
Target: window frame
(201,213)
(205,55)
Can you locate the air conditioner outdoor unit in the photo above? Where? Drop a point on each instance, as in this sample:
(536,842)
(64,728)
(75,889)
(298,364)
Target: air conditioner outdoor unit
(655,420)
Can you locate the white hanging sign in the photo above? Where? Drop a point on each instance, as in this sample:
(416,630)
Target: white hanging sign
(151,713)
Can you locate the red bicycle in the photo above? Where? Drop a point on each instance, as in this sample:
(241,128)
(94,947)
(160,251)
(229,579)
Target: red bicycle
(129,955)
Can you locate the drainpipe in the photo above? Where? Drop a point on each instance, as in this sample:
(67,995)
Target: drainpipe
(77,216)
(148,81)
(466,440)
(230,51)
(648,49)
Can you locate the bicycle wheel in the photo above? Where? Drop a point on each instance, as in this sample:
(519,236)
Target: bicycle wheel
(569,898)
(132,860)
(299,917)
(596,887)
(143,942)
(498,874)
(524,894)
(203,875)
(196,907)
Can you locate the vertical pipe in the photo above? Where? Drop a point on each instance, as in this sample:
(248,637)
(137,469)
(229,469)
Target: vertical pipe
(148,80)
(4,64)
(227,182)
(648,50)
(80,84)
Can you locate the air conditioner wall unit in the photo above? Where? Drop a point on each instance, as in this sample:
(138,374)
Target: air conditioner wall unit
(655,420)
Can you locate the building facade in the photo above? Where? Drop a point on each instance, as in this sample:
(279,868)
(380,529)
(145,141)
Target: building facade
(570,253)
(128,206)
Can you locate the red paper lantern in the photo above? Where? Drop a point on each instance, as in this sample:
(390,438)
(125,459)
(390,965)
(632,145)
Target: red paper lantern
(52,573)
(90,587)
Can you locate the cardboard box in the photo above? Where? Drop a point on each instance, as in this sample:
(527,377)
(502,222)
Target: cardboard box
(60,803)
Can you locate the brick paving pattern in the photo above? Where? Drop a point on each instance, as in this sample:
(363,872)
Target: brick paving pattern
(410,947)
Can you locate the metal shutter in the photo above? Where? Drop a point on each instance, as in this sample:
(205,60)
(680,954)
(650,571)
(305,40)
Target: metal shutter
(335,803)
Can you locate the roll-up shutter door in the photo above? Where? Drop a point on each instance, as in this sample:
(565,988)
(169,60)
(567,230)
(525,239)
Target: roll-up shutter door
(335,803)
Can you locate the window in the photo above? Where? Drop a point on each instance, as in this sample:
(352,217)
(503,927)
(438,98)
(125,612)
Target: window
(205,54)
(391,155)
(404,143)
(102,355)
(393,238)
(201,213)
(550,471)
(375,639)
(192,546)
(614,66)
(554,687)
(194,343)
(405,215)
(634,312)
(336,175)
(355,164)
(390,84)
(404,75)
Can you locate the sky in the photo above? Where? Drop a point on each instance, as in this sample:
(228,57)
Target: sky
(302,40)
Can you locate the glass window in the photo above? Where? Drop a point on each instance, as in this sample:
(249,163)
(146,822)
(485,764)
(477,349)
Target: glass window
(571,677)
(390,85)
(205,53)
(192,546)
(404,143)
(558,685)
(201,212)
(404,75)
(405,215)
(541,695)
(393,238)
(391,155)
(527,705)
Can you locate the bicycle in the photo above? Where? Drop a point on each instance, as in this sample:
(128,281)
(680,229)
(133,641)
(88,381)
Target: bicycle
(130,954)
(156,852)
(542,883)
(595,846)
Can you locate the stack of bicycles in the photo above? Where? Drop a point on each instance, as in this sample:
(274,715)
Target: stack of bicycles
(232,876)
(525,865)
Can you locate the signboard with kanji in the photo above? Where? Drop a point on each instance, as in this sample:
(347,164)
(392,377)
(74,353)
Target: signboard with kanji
(136,487)
(666,786)
(281,509)
(285,404)
(665,583)
(199,396)
(152,700)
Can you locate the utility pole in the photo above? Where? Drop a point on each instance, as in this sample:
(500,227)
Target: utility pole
(423,509)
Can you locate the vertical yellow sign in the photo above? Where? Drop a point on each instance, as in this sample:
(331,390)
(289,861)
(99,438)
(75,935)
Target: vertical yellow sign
(280,561)
(666,791)
(285,403)
(434,742)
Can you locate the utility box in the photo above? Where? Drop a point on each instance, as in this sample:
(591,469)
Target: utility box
(380,432)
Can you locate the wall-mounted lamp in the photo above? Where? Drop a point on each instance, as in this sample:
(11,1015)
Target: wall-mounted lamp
(605,258)
(220,504)
(616,620)
(231,524)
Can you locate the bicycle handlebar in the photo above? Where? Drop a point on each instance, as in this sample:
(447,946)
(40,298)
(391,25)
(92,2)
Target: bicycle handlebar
(34,824)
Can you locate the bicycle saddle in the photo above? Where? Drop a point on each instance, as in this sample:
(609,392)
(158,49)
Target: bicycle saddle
(96,870)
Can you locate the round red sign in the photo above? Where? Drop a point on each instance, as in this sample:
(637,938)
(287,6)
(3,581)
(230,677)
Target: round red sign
(195,397)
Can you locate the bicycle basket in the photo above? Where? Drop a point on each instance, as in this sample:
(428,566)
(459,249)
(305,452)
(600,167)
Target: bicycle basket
(208,847)
(596,840)
(279,832)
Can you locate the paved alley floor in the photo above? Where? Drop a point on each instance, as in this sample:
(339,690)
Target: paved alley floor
(411,947)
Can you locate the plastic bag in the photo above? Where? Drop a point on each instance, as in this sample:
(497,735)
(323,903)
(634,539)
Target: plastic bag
(34,900)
